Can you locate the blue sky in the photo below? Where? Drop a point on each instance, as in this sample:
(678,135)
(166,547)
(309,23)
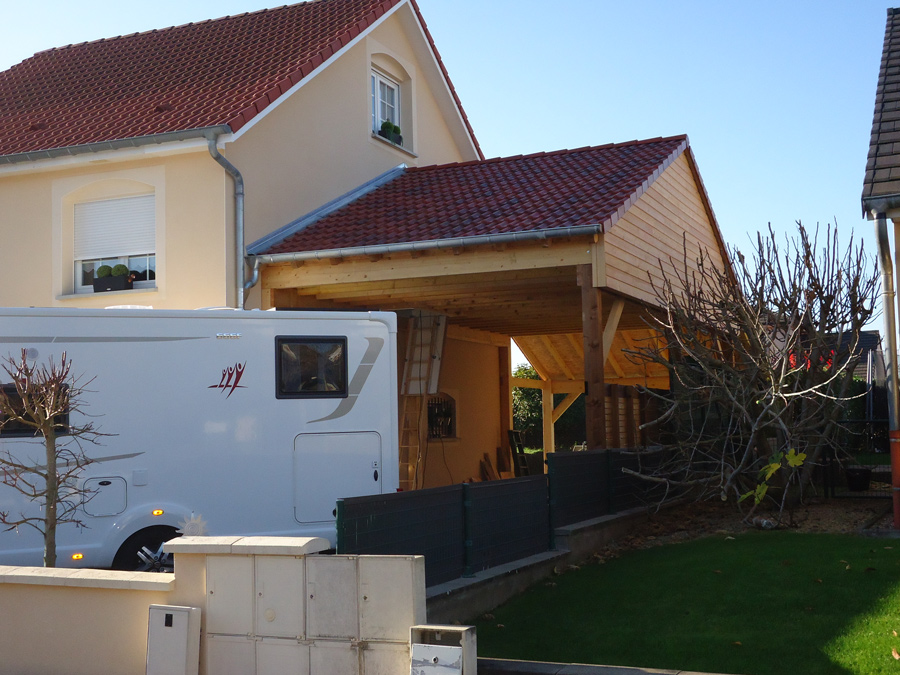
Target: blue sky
(776,97)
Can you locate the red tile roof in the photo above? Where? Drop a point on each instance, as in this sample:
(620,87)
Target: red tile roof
(222,71)
(547,191)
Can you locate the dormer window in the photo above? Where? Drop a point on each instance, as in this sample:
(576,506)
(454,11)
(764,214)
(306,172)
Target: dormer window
(385,105)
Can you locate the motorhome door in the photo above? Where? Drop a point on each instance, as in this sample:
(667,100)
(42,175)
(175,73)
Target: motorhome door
(328,467)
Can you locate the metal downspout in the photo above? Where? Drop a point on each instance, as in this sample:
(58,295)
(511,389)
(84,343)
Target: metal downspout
(239,252)
(890,353)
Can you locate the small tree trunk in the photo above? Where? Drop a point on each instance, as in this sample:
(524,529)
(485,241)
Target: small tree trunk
(51,501)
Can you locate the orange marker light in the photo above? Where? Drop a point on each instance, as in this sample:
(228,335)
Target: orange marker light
(77,556)
(157,512)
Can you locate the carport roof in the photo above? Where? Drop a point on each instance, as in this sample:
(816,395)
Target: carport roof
(548,192)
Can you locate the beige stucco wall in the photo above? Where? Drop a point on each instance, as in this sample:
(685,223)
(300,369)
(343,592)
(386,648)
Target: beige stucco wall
(470,374)
(307,149)
(74,630)
(192,203)
(318,144)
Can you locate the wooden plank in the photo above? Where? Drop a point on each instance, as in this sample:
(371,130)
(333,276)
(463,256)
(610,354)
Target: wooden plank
(630,429)
(487,469)
(429,264)
(614,433)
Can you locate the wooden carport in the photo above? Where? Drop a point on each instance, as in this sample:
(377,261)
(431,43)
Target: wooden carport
(556,251)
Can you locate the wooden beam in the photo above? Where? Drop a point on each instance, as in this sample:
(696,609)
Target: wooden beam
(567,386)
(595,386)
(613,363)
(564,405)
(436,263)
(612,325)
(484,337)
(555,387)
(555,355)
(598,262)
(528,384)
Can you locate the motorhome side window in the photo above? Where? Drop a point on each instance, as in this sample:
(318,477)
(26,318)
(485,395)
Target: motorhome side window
(13,428)
(311,367)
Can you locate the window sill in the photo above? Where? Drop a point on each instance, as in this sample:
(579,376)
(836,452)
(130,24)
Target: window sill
(388,143)
(131,291)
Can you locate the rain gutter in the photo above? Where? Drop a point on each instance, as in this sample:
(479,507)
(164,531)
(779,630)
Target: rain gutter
(888,295)
(118,144)
(431,245)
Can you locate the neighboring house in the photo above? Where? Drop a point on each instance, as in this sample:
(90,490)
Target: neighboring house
(105,147)
(881,201)
(167,150)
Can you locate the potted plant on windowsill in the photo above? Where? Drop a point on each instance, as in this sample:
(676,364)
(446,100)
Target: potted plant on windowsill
(116,278)
(391,132)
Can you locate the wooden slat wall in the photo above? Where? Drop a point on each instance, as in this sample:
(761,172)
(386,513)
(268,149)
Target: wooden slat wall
(652,229)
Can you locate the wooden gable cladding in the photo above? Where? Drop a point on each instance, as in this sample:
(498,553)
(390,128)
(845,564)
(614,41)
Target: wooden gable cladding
(650,237)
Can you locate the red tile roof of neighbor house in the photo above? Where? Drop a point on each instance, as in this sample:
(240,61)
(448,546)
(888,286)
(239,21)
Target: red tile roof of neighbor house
(546,191)
(218,72)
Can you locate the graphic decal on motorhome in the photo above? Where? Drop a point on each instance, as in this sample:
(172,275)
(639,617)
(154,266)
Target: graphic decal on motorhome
(231,378)
(358,381)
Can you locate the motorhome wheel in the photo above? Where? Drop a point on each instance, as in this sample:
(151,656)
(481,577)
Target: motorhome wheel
(143,551)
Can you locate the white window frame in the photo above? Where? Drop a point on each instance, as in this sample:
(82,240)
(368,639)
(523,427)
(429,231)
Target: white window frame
(120,230)
(379,79)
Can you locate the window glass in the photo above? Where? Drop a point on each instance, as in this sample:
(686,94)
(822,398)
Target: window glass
(20,429)
(385,101)
(309,367)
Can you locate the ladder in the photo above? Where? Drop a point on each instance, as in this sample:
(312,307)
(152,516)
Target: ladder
(421,370)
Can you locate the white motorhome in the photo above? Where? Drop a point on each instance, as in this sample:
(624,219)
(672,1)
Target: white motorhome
(232,422)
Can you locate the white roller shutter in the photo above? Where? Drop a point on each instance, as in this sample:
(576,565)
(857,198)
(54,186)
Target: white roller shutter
(115,228)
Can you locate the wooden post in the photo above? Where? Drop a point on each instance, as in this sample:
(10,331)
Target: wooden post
(504,460)
(594,380)
(547,417)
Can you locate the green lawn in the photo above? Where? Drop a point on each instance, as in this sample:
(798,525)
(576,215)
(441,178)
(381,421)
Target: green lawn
(762,603)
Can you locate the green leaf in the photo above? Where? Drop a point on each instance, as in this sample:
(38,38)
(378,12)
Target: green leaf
(760,493)
(770,469)
(795,459)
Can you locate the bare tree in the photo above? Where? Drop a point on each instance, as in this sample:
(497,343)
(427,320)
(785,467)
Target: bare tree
(39,402)
(760,358)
